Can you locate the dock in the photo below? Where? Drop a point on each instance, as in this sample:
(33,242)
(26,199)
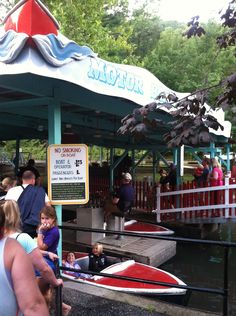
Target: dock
(144,250)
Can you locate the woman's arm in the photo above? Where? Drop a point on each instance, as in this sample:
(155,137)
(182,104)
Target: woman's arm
(41,265)
(30,300)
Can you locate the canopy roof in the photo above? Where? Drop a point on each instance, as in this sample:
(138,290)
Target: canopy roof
(39,67)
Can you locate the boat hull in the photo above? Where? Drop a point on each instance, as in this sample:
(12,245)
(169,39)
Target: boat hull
(146,228)
(136,270)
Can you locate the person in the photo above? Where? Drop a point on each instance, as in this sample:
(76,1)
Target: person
(233,170)
(163,179)
(7,184)
(216,174)
(13,230)
(205,172)
(47,240)
(31,167)
(124,199)
(216,179)
(198,172)
(97,259)
(48,232)
(37,195)
(172,176)
(19,293)
(71,262)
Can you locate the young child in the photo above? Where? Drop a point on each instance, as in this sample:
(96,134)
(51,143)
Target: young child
(70,262)
(97,259)
(47,240)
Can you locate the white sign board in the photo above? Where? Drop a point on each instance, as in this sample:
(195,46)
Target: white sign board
(68,181)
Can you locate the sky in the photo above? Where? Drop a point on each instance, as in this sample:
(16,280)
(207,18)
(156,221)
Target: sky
(183,10)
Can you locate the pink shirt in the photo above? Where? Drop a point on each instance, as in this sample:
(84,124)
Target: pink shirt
(217,178)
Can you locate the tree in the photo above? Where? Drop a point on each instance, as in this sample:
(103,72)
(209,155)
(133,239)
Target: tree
(97,24)
(192,119)
(5,6)
(146,30)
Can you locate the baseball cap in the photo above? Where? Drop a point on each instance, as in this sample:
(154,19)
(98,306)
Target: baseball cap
(126,176)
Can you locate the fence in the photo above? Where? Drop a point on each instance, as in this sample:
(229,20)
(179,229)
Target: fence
(189,202)
(223,291)
(99,188)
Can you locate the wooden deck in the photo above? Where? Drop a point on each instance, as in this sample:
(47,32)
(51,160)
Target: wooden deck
(145,250)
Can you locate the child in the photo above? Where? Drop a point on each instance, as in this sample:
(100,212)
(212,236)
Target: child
(47,240)
(71,263)
(97,259)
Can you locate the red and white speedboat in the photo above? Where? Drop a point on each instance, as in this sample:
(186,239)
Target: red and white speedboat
(146,228)
(131,269)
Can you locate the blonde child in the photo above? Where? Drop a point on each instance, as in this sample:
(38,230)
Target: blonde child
(97,259)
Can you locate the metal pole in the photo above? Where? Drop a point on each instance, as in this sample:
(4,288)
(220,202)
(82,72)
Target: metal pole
(226,285)
(58,296)
(158,202)
(58,303)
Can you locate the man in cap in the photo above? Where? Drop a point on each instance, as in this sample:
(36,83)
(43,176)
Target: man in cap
(124,198)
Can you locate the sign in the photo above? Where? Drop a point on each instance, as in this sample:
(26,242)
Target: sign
(68,181)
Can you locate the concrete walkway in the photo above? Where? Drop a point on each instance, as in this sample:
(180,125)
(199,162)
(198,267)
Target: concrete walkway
(88,300)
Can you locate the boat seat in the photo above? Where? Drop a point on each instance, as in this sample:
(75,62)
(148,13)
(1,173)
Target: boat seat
(83,262)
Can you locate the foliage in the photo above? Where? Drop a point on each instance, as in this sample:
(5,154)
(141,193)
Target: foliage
(146,32)
(103,29)
(35,149)
(5,6)
(192,119)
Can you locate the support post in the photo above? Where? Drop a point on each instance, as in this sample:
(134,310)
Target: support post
(158,209)
(227,196)
(154,166)
(111,168)
(17,156)
(228,146)
(54,137)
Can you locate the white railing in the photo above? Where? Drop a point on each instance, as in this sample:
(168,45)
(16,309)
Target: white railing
(182,210)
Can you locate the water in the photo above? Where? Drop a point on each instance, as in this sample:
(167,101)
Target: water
(202,266)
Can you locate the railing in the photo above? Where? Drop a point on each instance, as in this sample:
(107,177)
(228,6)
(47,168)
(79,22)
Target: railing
(99,189)
(224,291)
(204,202)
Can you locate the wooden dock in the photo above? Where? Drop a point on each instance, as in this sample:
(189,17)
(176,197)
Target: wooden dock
(145,250)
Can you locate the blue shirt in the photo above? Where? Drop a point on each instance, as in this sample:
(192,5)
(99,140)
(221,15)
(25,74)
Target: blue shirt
(126,196)
(51,238)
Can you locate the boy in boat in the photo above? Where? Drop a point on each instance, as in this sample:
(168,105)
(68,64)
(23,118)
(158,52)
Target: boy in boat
(97,259)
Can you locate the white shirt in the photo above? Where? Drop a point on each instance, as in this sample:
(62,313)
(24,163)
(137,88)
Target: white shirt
(15,192)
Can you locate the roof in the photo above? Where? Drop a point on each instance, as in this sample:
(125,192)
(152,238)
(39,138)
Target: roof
(40,68)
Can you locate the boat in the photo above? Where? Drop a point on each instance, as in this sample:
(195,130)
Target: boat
(146,228)
(132,269)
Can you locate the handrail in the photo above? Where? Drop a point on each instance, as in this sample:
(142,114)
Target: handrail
(226,205)
(226,245)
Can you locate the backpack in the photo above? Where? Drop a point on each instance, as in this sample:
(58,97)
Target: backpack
(30,203)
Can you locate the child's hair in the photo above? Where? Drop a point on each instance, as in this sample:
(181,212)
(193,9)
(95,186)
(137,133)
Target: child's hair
(99,247)
(50,212)
(12,215)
